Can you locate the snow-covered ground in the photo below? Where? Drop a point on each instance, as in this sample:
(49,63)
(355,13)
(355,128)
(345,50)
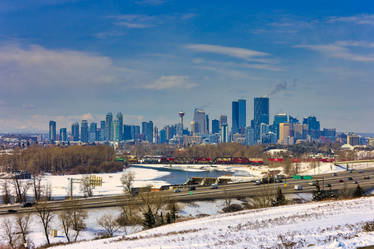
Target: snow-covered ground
(111,182)
(332,224)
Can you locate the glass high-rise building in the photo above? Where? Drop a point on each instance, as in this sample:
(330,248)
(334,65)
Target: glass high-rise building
(261,114)
(63,135)
(278,119)
(116,130)
(147,131)
(119,132)
(242,117)
(52,132)
(215,126)
(84,131)
(75,131)
(102,131)
(108,127)
(199,118)
(235,117)
(92,137)
(239,116)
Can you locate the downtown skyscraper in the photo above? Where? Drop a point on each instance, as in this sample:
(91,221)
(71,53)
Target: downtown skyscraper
(261,115)
(239,116)
(52,132)
(109,127)
(75,131)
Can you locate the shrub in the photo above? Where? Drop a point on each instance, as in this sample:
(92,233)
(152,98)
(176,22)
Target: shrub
(232,208)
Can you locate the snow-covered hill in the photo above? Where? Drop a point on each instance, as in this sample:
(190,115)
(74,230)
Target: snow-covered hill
(332,224)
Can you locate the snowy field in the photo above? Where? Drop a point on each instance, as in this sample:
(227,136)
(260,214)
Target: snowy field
(332,224)
(111,182)
(37,237)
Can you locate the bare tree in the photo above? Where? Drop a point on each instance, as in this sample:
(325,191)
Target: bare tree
(86,186)
(66,222)
(21,188)
(129,216)
(9,232)
(23,225)
(78,217)
(109,224)
(45,214)
(37,186)
(264,199)
(7,197)
(127,180)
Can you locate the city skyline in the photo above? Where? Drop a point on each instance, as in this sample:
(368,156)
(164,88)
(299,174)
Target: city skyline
(151,59)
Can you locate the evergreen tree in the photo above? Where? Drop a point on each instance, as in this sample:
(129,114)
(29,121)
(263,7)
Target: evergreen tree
(359,192)
(318,194)
(149,219)
(162,219)
(173,212)
(168,218)
(280,198)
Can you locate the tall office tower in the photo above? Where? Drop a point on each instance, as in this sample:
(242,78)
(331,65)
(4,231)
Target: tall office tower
(108,126)
(135,132)
(242,117)
(235,117)
(92,133)
(84,131)
(199,118)
(285,133)
(249,136)
(215,126)
(224,133)
(52,132)
(293,120)
(264,129)
(119,117)
(261,114)
(299,131)
(116,130)
(102,131)
(63,135)
(156,137)
(279,118)
(181,115)
(147,131)
(207,123)
(127,132)
(163,139)
(313,126)
(222,120)
(75,131)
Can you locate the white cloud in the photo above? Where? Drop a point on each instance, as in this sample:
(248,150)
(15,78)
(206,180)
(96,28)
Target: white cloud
(133,21)
(39,66)
(169,82)
(241,53)
(366,19)
(340,50)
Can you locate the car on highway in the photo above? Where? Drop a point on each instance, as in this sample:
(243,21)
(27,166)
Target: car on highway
(298,187)
(313,183)
(355,182)
(341,180)
(350,178)
(328,185)
(214,186)
(258,182)
(366,177)
(12,211)
(192,188)
(361,171)
(28,204)
(334,174)
(177,190)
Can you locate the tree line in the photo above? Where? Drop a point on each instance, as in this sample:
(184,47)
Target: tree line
(62,160)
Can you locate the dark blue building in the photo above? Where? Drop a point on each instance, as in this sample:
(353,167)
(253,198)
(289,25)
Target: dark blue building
(261,114)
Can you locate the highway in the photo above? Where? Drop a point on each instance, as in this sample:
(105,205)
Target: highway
(235,190)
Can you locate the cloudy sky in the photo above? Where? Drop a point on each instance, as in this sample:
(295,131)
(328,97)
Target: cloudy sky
(69,60)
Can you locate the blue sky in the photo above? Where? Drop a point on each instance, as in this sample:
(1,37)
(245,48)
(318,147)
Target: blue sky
(69,60)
